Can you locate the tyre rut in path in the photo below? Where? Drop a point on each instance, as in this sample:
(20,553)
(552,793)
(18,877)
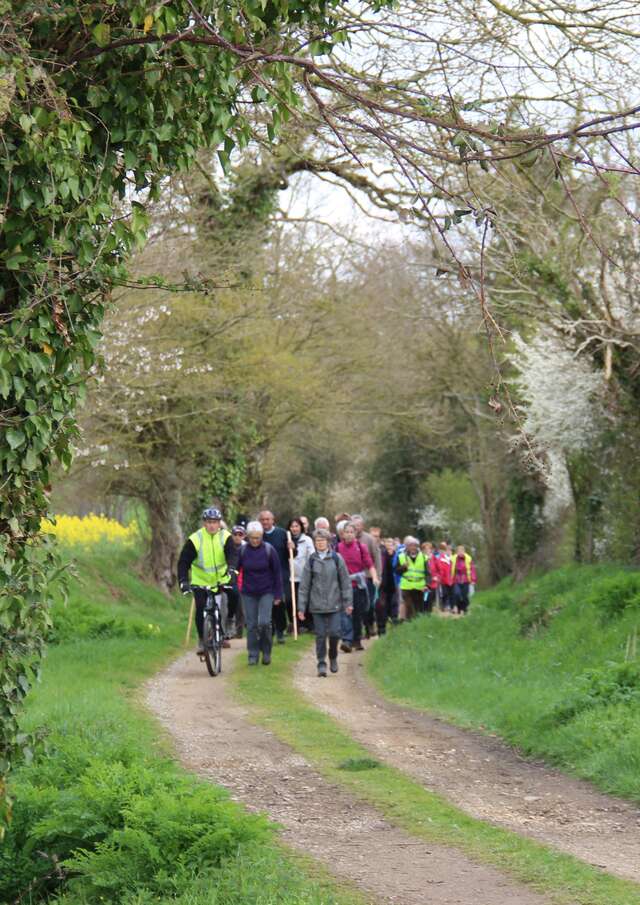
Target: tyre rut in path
(479,773)
(214,738)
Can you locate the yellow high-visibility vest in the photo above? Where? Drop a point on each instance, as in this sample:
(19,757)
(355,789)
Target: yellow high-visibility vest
(209,568)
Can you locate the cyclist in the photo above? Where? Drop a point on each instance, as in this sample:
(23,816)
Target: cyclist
(207,552)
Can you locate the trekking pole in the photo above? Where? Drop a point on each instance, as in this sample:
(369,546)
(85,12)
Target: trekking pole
(191,611)
(294,614)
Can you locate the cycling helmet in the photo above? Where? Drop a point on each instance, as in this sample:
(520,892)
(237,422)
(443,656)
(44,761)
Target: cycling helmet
(211,513)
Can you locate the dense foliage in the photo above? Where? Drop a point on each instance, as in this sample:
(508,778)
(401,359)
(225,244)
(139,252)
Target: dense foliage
(97,102)
(103,815)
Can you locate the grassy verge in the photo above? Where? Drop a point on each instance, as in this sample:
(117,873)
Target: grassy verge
(277,705)
(549,665)
(104,814)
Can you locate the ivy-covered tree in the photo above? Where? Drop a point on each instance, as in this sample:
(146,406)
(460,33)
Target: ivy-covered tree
(98,101)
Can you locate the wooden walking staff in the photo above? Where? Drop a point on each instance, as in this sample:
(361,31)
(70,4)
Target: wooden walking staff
(294,612)
(191,612)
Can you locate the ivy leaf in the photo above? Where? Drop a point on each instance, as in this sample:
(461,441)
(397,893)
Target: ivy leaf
(30,460)
(15,437)
(102,34)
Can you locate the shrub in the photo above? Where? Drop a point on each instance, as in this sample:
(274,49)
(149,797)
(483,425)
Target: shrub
(91,530)
(114,829)
(613,683)
(613,595)
(82,619)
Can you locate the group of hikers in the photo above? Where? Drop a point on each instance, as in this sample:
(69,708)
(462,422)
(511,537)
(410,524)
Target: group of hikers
(343,585)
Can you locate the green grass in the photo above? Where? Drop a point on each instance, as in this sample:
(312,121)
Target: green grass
(542,664)
(104,814)
(276,705)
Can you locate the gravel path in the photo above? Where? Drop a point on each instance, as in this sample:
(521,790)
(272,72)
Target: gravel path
(480,774)
(214,738)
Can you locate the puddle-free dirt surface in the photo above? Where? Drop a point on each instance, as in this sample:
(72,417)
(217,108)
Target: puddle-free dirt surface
(478,773)
(214,738)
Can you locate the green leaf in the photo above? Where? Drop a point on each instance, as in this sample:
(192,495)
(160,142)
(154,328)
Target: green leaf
(26,122)
(15,437)
(30,460)
(102,34)
(14,262)
(19,387)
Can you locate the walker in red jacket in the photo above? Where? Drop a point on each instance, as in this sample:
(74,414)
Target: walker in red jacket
(463,574)
(446,581)
(431,594)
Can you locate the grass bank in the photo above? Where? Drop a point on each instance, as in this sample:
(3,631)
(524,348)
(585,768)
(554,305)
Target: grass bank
(104,814)
(278,706)
(550,664)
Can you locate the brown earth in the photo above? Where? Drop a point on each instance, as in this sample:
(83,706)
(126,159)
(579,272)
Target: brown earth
(479,773)
(214,737)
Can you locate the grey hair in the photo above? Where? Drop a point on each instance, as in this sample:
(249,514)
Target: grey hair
(410,539)
(342,525)
(255,528)
(322,532)
(348,524)
(356,516)
(321,518)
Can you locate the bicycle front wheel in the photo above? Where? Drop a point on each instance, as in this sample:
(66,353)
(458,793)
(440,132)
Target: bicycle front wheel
(212,641)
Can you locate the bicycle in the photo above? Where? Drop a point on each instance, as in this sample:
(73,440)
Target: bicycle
(212,634)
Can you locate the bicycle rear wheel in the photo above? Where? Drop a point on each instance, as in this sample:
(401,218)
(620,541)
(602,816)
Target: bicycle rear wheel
(212,640)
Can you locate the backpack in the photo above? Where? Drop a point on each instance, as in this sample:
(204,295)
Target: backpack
(270,554)
(336,560)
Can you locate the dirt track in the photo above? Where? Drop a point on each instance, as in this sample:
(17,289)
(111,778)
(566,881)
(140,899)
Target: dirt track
(479,773)
(214,738)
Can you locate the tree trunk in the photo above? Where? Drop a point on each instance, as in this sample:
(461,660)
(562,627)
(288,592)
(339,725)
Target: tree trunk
(164,507)
(496,522)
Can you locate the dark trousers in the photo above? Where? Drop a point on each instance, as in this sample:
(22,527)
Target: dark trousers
(370,615)
(279,615)
(430,599)
(200,596)
(234,604)
(360,609)
(446,597)
(461,596)
(257,612)
(326,626)
(385,606)
(413,602)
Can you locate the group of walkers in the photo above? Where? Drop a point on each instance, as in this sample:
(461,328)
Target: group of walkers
(346,584)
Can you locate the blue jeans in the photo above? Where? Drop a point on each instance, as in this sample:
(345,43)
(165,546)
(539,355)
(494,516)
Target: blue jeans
(461,597)
(352,625)
(346,628)
(257,616)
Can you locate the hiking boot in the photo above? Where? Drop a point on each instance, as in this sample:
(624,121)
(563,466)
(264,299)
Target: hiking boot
(322,671)
(333,665)
(200,649)
(280,639)
(345,647)
(359,646)
(266,659)
(253,661)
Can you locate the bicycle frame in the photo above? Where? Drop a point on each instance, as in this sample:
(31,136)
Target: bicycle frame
(212,637)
